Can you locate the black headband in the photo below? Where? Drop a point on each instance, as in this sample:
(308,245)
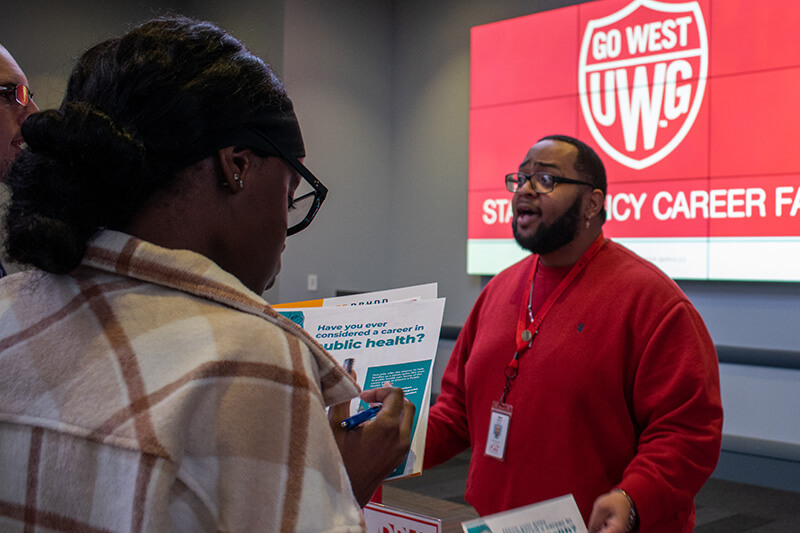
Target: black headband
(276,122)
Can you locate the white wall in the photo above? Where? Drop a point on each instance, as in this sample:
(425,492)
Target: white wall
(338,59)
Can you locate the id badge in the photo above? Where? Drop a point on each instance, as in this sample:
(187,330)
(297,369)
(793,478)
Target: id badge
(498,430)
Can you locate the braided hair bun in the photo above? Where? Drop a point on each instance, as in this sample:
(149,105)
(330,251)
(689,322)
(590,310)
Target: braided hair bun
(137,109)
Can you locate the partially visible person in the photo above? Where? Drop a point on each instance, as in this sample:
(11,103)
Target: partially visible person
(144,383)
(582,369)
(16,104)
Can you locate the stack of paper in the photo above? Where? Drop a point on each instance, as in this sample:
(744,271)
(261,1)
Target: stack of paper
(392,335)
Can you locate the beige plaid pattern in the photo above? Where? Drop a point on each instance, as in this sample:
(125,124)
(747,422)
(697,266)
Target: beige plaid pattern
(150,390)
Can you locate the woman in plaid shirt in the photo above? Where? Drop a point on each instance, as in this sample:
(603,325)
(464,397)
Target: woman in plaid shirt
(144,383)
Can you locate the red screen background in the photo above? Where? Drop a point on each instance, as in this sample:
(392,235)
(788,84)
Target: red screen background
(525,85)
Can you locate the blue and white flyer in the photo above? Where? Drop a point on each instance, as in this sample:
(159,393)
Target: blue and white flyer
(392,337)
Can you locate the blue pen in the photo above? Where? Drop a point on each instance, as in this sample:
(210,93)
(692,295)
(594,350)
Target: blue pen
(361,417)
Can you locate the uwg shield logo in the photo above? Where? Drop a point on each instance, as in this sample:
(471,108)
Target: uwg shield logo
(642,75)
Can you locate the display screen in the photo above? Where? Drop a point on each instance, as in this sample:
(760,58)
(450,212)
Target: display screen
(694,108)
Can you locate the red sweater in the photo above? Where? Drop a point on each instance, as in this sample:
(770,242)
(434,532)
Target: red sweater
(620,389)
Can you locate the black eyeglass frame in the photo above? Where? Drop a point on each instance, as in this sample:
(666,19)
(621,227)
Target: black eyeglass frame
(15,90)
(514,184)
(319,193)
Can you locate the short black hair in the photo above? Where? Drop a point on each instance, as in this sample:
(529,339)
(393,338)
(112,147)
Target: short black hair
(587,163)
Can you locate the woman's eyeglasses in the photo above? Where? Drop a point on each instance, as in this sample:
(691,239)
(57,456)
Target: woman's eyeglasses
(306,203)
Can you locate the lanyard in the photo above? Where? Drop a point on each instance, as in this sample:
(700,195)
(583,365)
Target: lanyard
(528,324)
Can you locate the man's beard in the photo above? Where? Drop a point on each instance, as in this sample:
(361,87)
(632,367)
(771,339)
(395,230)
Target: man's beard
(549,238)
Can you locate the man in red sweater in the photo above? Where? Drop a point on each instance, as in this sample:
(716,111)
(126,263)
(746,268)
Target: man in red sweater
(582,369)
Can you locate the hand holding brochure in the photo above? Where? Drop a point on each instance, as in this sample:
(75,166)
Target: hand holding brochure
(392,336)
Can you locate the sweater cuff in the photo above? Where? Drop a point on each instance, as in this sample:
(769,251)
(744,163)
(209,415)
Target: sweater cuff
(649,504)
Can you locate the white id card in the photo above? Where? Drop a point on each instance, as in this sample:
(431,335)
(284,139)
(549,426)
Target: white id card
(498,430)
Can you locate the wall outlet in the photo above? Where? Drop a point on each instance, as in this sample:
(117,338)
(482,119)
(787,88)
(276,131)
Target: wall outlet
(311,282)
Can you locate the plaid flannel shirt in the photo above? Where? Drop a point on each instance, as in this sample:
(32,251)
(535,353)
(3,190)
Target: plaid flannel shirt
(149,390)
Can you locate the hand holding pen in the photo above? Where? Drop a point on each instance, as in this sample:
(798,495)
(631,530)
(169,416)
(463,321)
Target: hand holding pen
(375,449)
(360,417)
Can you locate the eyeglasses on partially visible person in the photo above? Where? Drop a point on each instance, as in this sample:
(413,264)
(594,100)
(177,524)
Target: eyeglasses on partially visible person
(20,94)
(16,105)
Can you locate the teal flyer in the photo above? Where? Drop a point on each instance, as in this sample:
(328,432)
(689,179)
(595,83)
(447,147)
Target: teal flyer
(412,378)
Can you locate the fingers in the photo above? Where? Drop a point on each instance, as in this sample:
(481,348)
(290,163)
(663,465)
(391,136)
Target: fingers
(610,514)
(381,394)
(397,410)
(408,422)
(372,450)
(597,521)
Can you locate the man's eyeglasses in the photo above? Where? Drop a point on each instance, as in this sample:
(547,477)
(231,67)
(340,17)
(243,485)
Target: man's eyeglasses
(21,94)
(542,182)
(306,203)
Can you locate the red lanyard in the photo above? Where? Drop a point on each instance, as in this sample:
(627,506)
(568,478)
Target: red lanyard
(526,333)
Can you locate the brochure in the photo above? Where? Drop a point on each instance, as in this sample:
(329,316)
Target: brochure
(559,515)
(427,291)
(392,337)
